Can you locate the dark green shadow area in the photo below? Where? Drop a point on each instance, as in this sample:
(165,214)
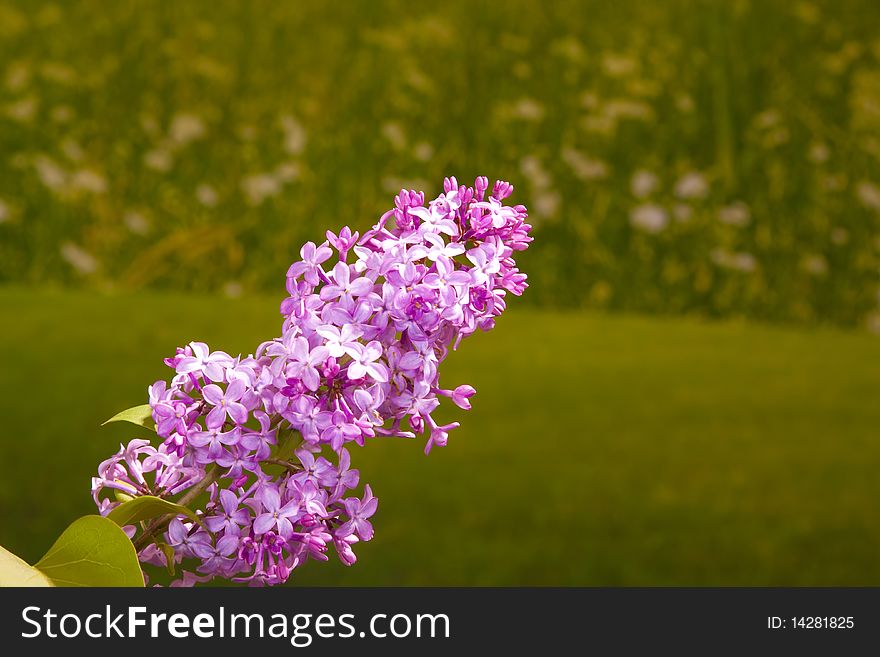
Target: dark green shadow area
(602,450)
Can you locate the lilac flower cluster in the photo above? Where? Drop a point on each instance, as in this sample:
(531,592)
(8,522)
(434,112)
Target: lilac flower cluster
(367,322)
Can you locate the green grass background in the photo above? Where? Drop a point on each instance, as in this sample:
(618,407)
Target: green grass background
(601,450)
(161,163)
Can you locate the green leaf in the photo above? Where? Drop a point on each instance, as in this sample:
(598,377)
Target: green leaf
(15,572)
(146,507)
(120,496)
(168,551)
(93,551)
(139,415)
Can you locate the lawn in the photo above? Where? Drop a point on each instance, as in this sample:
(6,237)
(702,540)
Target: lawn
(602,449)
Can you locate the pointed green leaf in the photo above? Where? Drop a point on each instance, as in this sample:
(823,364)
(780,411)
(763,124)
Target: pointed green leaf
(15,572)
(139,415)
(168,551)
(147,507)
(93,551)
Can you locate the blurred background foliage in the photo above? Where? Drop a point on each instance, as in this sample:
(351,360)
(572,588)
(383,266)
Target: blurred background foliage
(162,162)
(716,158)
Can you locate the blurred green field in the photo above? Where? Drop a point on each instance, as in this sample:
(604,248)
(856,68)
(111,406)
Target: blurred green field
(686,156)
(602,450)
(163,163)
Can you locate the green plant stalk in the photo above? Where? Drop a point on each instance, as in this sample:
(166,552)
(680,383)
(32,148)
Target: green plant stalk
(288,442)
(160,523)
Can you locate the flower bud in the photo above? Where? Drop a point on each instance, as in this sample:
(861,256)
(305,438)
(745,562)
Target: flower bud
(461,395)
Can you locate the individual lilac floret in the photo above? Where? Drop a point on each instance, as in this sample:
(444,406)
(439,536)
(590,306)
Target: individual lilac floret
(266,437)
(310,265)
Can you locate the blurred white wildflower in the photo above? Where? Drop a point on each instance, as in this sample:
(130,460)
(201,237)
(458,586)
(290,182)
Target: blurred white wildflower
(649,218)
(618,65)
(50,173)
(18,76)
(590,100)
(546,202)
(136,222)
(644,87)
(423,151)
(741,261)
(583,166)
(206,195)
(599,124)
(393,132)
(159,159)
(186,128)
(769,118)
(776,137)
(259,187)
(643,183)
(864,99)
(288,172)
(22,110)
(294,135)
(534,171)
(72,150)
(569,48)
(834,182)
(869,195)
(624,108)
(78,258)
(815,265)
(692,185)
(418,79)
(735,214)
(684,103)
(233,289)
(88,180)
(527,109)
(819,152)
(211,69)
(545,199)
(871,144)
(771,130)
(682,212)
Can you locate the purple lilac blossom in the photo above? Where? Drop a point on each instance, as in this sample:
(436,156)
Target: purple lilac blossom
(358,358)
